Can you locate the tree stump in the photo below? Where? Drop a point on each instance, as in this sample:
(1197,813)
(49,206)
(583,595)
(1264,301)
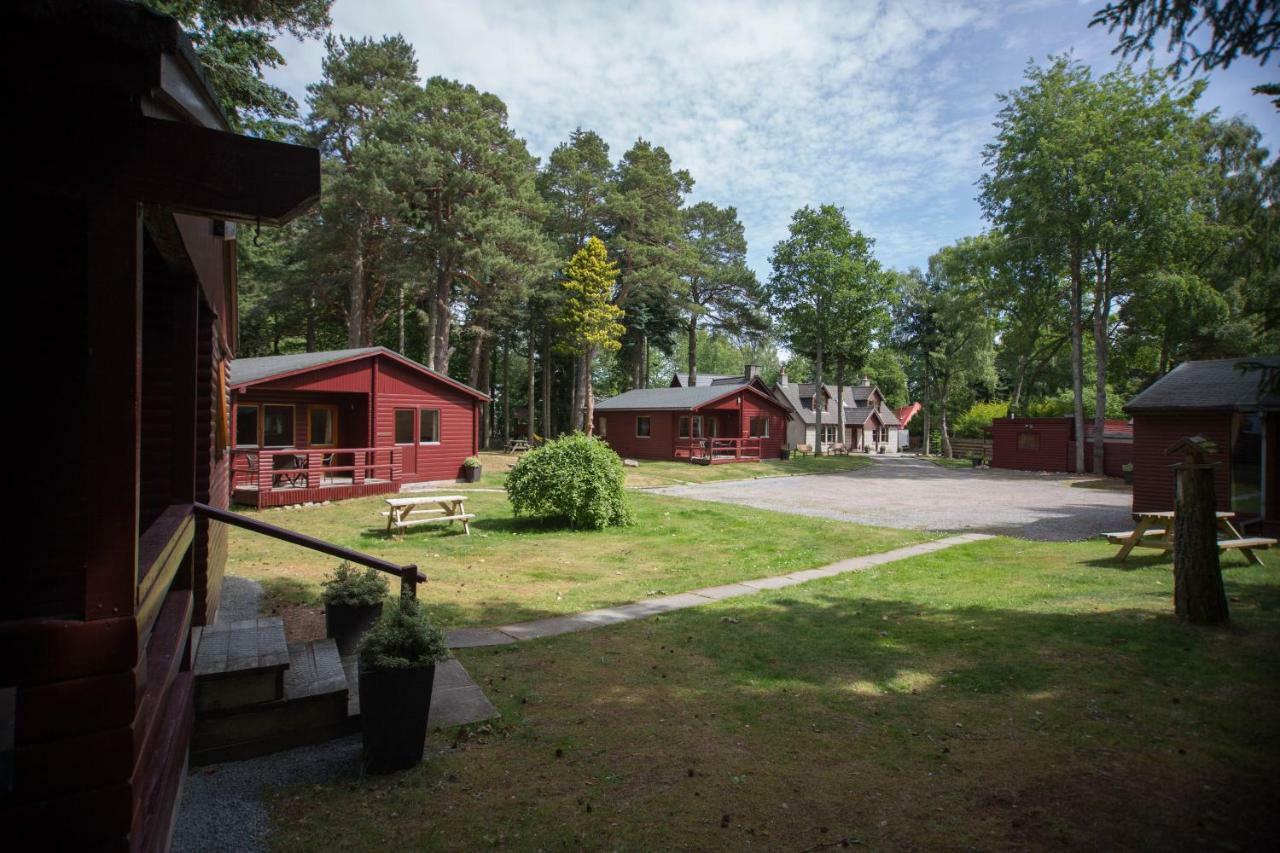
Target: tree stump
(1198,595)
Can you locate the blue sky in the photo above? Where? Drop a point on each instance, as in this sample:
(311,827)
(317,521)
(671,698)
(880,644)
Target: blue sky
(881,108)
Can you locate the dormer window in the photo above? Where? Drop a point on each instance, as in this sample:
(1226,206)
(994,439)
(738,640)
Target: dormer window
(806,402)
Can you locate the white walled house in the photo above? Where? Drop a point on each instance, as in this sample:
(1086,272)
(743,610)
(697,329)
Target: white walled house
(869,423)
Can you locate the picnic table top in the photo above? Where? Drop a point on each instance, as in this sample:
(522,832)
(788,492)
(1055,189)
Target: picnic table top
(1169,514)
(424,499)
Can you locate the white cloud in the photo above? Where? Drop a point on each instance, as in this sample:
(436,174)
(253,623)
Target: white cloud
(882,107)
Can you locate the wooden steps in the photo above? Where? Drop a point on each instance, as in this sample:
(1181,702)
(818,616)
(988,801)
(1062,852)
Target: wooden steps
(241,717)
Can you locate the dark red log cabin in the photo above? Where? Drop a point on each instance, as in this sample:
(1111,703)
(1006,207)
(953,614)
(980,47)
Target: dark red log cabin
(1237,410)
(705,424)
(346,423)
(122,181)
(1049,444)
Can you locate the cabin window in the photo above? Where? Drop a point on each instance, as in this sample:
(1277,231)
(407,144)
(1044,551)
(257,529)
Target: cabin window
(247,426)
(429,426)
(322,426)
(1028,441)
(684,426)
(829,434)
(711,427)
(404,426)
(643,426)
(806,402)
(1248,450)
(697,426)
(277,426)
(759,427)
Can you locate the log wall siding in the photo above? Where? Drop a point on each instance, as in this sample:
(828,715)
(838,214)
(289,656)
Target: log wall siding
(400,387)
(1053,435)
(212,476)
(1153,434)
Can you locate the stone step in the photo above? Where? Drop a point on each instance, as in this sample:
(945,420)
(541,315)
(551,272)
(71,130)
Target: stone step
(455,697)
(241,663)
(313,709)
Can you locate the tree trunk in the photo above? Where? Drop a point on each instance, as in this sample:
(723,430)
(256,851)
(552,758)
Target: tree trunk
(818,407)
(1077,353)
(1198,596)
(928,425)
(546,384)
(443,322)
(486,376)
(506,388)
(840,401)
(530,390)
(355,294)
(588,392)
(400,315)
(693,351)
(429,356)
(942,420)
(575,402)
(1101,310)
(312,345)
(644,362)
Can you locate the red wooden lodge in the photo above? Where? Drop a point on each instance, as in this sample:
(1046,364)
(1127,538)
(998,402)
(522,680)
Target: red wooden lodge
(727,421)
(124,181)
(1235,409)
(1049,444)
(347,423)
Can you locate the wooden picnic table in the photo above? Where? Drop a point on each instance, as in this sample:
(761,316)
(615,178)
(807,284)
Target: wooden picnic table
(438,509)
(516,445)
(1155,530)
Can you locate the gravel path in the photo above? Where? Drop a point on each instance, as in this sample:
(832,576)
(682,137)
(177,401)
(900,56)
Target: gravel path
(915,494)
(224,805)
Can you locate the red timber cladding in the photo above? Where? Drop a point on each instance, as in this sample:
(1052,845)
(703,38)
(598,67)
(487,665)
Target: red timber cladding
(1052,437)
(1115,453)
(620,434)
(353,412)
(1153,434)
(401,387)
(288,497)
(212,484)
(753,407)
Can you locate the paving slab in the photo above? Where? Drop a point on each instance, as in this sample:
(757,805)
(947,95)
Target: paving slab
(772,583)
(729,590)
(468,638)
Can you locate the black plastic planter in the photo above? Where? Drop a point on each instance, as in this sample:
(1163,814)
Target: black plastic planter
(472,475)
(393,716)
(346,623)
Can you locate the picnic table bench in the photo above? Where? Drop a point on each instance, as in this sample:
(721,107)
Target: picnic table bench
(438,509)
(516,445)
(1155,530)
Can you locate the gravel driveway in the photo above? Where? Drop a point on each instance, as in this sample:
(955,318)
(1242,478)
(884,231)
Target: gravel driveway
(912,493)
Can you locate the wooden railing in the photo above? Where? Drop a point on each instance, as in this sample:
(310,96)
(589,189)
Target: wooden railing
(710,450)
(409,575)
(267,470)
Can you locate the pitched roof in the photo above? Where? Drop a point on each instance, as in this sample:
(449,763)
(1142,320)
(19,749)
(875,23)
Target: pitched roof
(250,371)
(906,413)
(681,380)
(1215,384)
(674,399)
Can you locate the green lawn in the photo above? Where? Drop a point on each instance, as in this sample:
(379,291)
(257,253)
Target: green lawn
(510,570)
(998,695)
(946,462)
(651,474)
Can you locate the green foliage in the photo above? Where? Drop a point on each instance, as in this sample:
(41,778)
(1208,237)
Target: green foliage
(233,39)
(589,319)
(472,462)
(403,638)
(1060,406)
(978,419)
(575,479)
(354,588)
(722,293)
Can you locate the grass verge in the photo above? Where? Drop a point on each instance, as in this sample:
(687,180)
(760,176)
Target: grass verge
(998,695)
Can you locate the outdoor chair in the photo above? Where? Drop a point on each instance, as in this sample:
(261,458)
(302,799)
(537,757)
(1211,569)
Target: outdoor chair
(292,470)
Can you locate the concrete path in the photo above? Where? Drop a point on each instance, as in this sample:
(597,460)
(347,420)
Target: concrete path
(462,638)
(916,494)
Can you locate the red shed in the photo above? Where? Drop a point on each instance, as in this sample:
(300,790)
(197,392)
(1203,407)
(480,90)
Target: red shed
(1238,410)
(125,174)
(1049,444)
(706,424)
(346,423)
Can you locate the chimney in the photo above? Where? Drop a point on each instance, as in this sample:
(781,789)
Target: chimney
(782,376)
(751,371)
(866,381)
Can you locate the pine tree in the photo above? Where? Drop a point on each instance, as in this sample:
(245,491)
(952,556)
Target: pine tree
(590,319)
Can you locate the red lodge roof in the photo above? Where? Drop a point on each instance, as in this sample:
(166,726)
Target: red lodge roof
(251,371)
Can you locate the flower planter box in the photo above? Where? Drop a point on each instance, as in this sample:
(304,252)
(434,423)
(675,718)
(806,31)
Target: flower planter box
(346,624)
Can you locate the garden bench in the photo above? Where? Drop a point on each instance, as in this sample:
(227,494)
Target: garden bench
(803,450)
(439,509)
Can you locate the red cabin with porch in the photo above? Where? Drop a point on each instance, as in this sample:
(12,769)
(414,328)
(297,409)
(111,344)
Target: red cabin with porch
(704,424)
(347,423)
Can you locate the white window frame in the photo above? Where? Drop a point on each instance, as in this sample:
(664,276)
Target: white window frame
(413,427)
(640,418)
(422,412)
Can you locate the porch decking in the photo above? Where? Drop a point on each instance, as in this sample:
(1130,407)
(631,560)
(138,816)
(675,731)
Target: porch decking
(267,478)
(718,451)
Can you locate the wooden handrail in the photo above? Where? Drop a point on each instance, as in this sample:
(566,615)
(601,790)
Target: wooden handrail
(409,575)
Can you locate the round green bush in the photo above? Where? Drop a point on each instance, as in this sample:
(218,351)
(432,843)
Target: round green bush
(575,479)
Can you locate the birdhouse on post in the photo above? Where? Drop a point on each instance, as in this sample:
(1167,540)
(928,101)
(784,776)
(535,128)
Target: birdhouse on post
(1198,596)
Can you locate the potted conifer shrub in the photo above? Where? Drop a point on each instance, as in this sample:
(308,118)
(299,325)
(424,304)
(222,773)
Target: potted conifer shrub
(1127,470)
(398,658)
(352,604)
(472,468)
